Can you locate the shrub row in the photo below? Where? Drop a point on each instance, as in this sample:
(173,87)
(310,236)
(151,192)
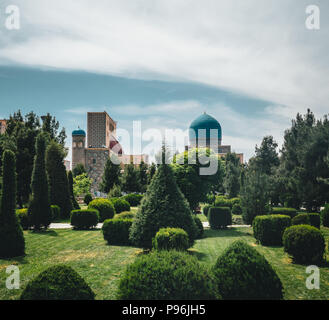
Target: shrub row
(291,212)
(312,219)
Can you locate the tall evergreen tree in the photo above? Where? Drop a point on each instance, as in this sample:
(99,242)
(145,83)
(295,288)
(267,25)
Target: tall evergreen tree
(163,206)
(39,208)
(130,179)
(111,175)
(58,182)
(143,176)
(75,204)
(232,175)
(12,243)
(151,173)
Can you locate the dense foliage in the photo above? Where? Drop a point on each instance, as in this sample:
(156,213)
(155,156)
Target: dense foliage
(301,218)
(84,219)
(171,239)
(116,231)
(199,226)
(134,199)
(120,205)
(75,204)
(23,218)
(219,217)
(325,216)
(111,175)
(291,212)
(104,207)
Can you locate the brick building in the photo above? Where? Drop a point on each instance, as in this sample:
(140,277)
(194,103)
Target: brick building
(3,126)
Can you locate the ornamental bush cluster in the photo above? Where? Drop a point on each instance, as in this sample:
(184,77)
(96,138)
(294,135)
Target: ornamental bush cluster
(134,199)
(219,217)
(116,231)
(120,205)
(84,219)
(104,207)
(171,239)
(304,243)
(312,219)
(268,230)
(58,283)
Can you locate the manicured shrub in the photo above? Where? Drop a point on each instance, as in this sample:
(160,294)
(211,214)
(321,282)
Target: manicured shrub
(325,216)
(268,230)
(12,242)
(58,283)
(304,243)
(116,231)
(206,209)
(55,212)
(163,206)
(166,275)
(236,209)
(87,199)
(222,201)
(134,199)
(243,273)
(120,205)
(291,212)
(302,218)
(105,208)
(171,238)
(84,219)
(219,217)
(199,225)
(235,201)
(23,218)
(315,219)
(125,215)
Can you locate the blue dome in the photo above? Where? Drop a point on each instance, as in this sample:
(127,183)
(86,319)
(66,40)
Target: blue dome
(205,122)
(79,132)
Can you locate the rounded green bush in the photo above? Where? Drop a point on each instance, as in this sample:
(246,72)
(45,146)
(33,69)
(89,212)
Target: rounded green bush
(166,275)
(219,217)
(243,273)
(84,219)
(304,243)
(199,226)
(55,212)
(325,216)
(291,212)
(23,218)
(105,208)
(88,198)
(236,209)
(268,230)
(125,215)
(171,238)
(58,283)
(120,205)
(302,218)
(116,231)
(134,199)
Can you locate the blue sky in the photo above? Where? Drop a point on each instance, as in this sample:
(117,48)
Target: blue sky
(252,64)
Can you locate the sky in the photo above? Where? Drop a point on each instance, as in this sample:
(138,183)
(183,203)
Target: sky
(252,64)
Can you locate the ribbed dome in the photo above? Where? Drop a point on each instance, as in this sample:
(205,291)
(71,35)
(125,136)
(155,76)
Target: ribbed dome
(205,122)
(79,132)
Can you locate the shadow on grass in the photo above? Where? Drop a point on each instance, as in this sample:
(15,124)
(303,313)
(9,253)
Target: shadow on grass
(49,233)
(210,233)
(201,256)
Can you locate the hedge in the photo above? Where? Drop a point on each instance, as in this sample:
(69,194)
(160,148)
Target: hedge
(306,244)
(58,283)
(206,209)
(291,212)
(301,218)
(268,230)
(167,275)
(219,217)
(222,201)
(171,238)
(116,231)
(243,273)
(105,208)
(84,219)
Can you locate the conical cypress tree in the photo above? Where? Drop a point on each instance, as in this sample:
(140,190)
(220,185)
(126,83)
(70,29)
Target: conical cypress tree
(12,243)
(58,182)
(39,209)
(163,205)
(75,204)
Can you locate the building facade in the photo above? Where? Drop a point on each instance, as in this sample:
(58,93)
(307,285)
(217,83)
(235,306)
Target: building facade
(101,143)
(3,126)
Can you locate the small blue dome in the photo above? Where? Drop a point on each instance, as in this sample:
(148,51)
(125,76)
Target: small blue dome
(205,122)
(79,132)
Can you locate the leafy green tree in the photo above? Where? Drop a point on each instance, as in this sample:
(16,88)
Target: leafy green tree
(51,126)
(163,206)
(58,182)
(130,179)
(81,184)
(78,170)
(115,192)
(191,182)
(232,175)
(12,243)
(75,204)
(143,176)
(111,175)
(39,208)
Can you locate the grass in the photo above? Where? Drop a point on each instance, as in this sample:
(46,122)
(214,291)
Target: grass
(102,265)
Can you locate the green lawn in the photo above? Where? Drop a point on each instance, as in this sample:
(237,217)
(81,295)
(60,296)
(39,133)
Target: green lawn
(101,265)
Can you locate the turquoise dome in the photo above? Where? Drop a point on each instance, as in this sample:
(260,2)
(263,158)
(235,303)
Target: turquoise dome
(79,132)
(205,122)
